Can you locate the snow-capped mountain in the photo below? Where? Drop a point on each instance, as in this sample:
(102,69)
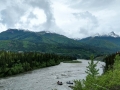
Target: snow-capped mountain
(111,34)
(109,41)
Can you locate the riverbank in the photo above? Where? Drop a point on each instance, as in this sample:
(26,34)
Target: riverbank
(74,61)
(12,63)
(46,78)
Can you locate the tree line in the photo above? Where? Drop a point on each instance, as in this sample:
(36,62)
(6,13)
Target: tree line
(12,63)
(109,60)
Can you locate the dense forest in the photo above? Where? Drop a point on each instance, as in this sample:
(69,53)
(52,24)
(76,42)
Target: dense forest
(109,60)
(12,63)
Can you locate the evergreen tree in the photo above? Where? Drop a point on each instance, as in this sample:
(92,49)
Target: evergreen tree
(90,82)
(91,68)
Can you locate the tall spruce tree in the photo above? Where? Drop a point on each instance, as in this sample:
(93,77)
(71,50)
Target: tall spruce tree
(91,68)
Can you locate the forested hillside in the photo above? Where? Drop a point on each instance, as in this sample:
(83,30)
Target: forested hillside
(107,42)
(21,40)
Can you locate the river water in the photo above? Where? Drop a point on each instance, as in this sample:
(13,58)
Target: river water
(46,78)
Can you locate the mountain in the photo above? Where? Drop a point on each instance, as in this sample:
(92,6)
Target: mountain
(111,34)
(21,40)
(109,41)
(36,37)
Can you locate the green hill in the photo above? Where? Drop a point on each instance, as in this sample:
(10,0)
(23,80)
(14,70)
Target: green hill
(21,40)
(108,42)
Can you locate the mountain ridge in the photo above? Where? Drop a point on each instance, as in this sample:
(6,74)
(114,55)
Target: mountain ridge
(111,34)
(21,40)
(110,40)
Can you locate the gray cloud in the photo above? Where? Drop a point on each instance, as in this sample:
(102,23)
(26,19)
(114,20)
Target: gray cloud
(31,15)
(72,18)
(10,16)
(45,5)
(91,24)
(13,11)
(86,15)
(91,4)
(84,31)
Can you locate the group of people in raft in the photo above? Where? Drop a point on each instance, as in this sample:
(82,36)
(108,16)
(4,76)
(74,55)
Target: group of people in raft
(60,83)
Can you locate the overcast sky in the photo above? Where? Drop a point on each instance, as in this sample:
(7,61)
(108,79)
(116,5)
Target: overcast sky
(72,18)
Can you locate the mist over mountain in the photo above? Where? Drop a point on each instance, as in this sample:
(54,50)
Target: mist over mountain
(111,34)
(109,41)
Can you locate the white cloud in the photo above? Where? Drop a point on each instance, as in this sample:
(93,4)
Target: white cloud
(2,27)
(72,18)
(32,18)
(40,16)
(92,16)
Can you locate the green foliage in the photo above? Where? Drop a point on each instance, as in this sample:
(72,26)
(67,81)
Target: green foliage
(91,68)
(116,65)
(16,68)
(91,78)
(110,59)
(26,66)
(12,63)
(78,85)
(110,80)
(110,43)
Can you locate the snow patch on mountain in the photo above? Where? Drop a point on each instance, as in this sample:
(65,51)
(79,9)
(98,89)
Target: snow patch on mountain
(111,34)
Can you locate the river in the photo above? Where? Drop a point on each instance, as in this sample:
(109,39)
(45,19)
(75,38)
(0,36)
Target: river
(46,78)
